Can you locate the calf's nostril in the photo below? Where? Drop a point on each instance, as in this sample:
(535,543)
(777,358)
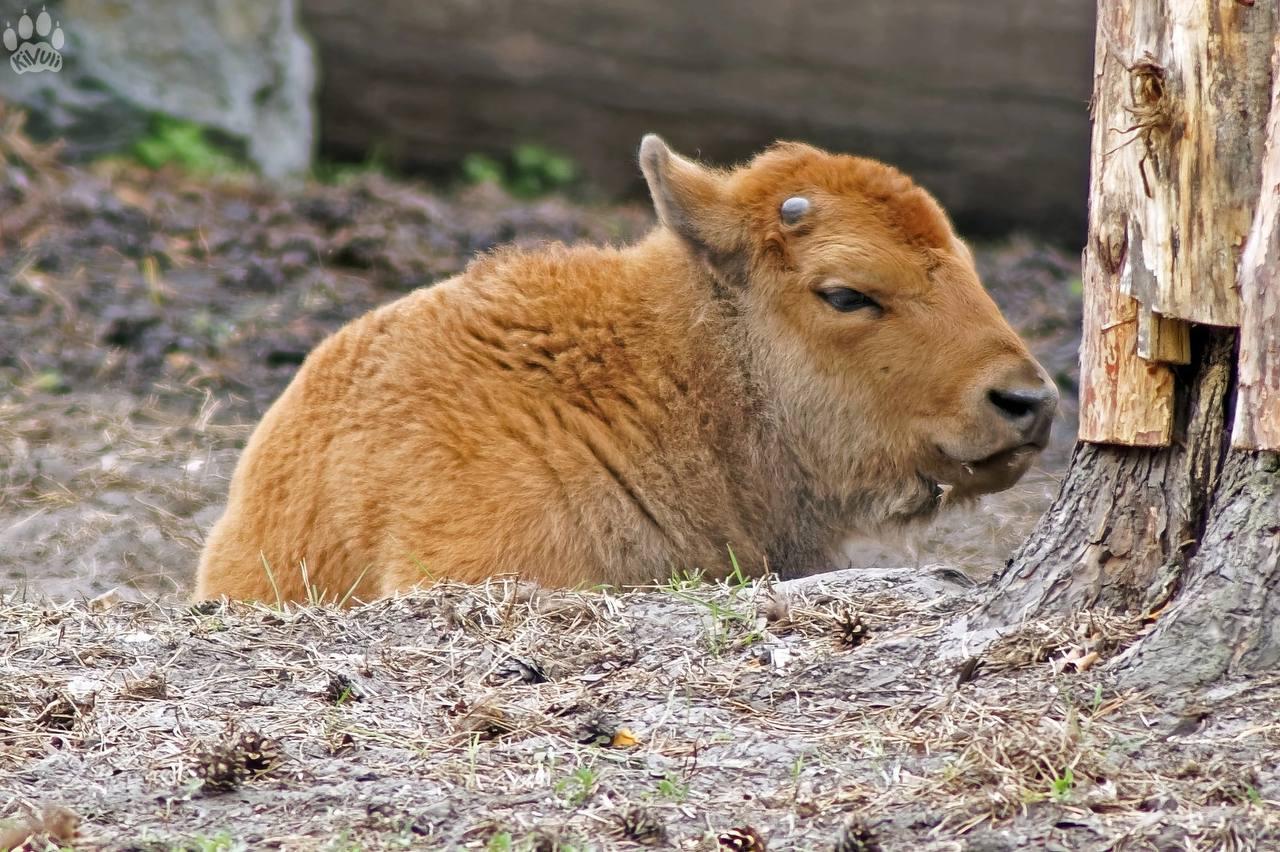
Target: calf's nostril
(1017,404)
(1029,410)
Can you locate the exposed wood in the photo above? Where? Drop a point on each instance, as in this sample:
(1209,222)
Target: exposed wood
(982,102)
(1188,80)
(1123,398)
(1160,338)
(1257,422)
(1179,86)
(1163,339)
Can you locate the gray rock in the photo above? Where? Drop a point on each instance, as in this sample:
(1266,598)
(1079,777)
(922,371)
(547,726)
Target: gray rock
(241,67)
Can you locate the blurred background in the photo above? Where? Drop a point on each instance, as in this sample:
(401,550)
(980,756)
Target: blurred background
(985,103)
(193,194)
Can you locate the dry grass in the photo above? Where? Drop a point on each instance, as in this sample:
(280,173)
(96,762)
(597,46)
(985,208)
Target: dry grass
(115,490)
(506,716)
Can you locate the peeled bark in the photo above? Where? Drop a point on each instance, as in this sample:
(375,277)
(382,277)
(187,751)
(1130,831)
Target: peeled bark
(1179,524)
(1258,405)
(1181,95)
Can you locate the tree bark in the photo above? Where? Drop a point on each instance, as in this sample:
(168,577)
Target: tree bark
(1225,618)
(1179,524)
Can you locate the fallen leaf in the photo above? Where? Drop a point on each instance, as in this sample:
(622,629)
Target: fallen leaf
(624,738)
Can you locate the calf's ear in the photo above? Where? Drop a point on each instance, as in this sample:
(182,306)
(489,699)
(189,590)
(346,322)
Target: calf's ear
(691,200)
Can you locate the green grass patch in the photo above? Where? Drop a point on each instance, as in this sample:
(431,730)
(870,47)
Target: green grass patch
(528,172)
(187,145)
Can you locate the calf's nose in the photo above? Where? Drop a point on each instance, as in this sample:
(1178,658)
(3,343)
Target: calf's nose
(1029,410)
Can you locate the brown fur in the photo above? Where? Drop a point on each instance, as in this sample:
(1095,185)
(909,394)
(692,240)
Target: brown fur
(591,415)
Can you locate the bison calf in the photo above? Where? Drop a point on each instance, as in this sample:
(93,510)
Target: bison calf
(800,350)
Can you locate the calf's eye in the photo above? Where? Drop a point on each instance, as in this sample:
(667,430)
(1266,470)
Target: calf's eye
(846,300)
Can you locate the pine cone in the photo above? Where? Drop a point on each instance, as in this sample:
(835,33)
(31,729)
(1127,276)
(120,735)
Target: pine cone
(152,685)
(59,713)
(341,689)
(488,720)
(219,768)
(256,752)
(597,729)
(642,826)
(744,839)
(225,765)
(205,607)
(516,670)
(850,630)
(855,836)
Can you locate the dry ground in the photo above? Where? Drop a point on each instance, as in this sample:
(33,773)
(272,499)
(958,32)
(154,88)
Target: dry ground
(146,320)
(506,718)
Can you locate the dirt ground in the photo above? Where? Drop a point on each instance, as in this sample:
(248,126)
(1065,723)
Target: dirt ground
(147,321)
(834,709)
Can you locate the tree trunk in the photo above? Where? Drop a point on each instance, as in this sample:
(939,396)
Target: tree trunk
(1171,505)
